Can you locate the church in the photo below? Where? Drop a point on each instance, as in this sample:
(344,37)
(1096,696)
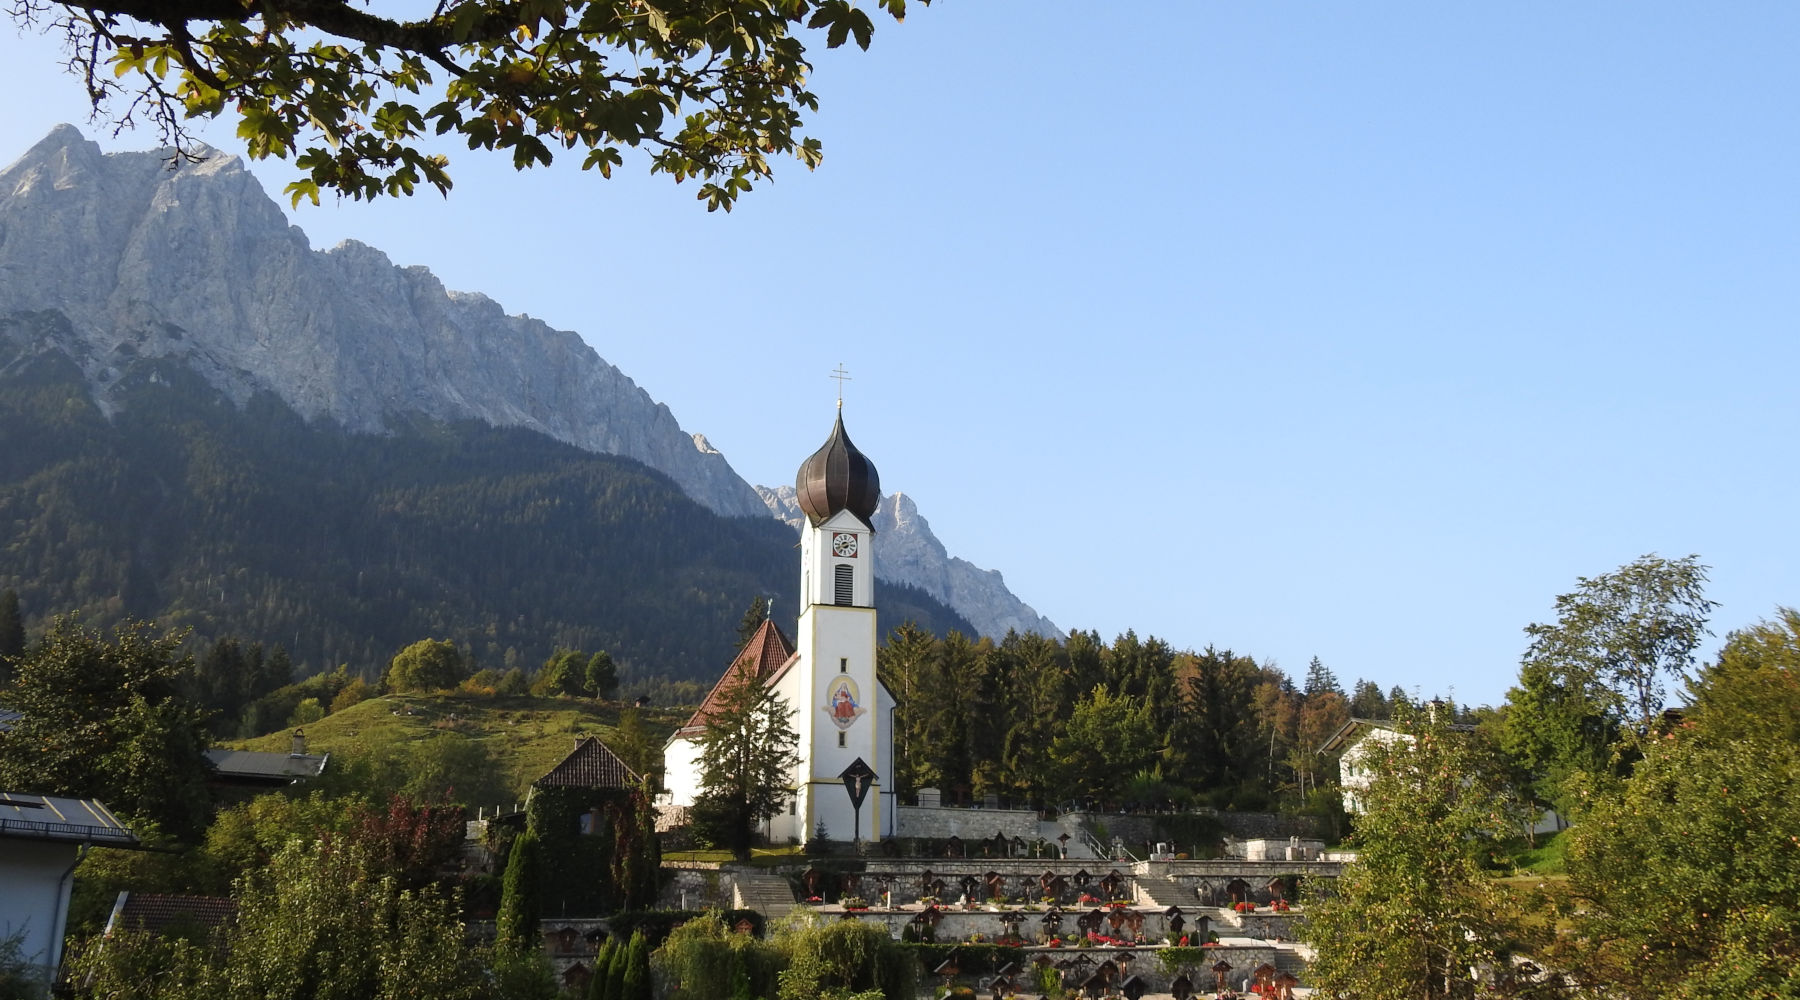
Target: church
(842,712)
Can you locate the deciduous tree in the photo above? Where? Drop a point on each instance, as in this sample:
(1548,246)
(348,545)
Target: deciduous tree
(1415,913)
(1600,668)
(711,89)
(1108,739)
(602,676)
(106,718)
(426,665)
(1688,878)
(1754,688)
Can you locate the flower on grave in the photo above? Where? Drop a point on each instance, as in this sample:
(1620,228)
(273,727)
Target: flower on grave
(1183,943)
(815,900)
(854,903)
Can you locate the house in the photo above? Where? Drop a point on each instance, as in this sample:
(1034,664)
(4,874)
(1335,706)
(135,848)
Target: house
(264,770)
(42,839)
(164,913)
(1354,740)
(595,827)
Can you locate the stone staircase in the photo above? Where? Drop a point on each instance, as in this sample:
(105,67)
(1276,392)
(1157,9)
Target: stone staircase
(770,895)
(1068,823)
(1164,892)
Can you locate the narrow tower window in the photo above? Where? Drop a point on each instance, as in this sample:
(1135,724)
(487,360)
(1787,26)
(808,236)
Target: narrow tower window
(844,584)
(842,739)
(843,664)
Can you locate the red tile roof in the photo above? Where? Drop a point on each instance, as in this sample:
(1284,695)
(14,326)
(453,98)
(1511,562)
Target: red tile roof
(765,654)
(157,912)
(590,765)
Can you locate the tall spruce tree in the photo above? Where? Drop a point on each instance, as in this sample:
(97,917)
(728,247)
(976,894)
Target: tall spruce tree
(748,758)
(12,630)
(754,616)
(1320,679)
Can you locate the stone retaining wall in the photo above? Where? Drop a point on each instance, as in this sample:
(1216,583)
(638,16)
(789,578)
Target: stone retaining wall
(942,822)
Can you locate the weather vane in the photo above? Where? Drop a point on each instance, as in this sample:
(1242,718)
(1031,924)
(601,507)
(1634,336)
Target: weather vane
(842,376)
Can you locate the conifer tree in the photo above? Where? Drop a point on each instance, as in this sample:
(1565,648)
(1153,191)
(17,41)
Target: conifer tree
(600,987)
(754,616)
(636,981)
(615,971)
(12,629)
(516,925)
(1320,679)
(748,760)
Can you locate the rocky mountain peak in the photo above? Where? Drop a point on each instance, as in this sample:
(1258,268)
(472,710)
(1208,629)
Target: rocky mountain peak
(134,248)
(146,256)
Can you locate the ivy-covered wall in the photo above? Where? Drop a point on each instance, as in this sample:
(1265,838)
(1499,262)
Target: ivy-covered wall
(598,850)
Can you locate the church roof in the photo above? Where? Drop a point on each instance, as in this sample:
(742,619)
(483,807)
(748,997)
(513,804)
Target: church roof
(837,478)
(590,765)
(765,654)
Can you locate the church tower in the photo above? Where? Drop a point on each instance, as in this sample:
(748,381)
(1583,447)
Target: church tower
(843,713)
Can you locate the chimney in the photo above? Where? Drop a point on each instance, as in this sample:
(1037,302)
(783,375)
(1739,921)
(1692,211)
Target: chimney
(299,749)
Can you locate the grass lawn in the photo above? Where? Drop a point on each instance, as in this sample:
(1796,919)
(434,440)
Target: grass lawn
(1544,859)
(761,857)
(525,736)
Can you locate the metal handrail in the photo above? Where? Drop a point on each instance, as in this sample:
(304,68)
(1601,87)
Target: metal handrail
(65,831)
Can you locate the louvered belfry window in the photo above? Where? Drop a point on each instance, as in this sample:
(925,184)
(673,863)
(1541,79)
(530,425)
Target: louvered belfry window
(844,585)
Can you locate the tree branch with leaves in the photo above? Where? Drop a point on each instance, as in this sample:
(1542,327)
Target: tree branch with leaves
(712,90)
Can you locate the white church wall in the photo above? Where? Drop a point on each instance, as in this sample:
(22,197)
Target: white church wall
(681,772)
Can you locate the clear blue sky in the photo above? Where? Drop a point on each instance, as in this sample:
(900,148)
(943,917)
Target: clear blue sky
(1353,330)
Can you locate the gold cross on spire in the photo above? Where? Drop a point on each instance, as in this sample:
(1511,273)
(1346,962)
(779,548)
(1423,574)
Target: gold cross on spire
(842,376)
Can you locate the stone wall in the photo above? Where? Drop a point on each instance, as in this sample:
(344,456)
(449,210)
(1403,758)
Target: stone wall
(696,888)
(941,822)
(1138,829)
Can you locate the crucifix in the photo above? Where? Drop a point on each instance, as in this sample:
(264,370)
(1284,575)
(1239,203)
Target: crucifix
(842,376)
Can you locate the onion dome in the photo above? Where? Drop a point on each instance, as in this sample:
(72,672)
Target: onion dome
(837,478)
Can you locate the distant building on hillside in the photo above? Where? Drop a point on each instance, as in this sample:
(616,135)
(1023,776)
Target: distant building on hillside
(263,770)
(1354,741)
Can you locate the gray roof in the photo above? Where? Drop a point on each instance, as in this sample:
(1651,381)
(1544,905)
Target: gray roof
(7,717)
(265,764)
(48,817)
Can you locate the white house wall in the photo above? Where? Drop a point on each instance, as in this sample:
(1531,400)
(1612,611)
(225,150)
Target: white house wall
(34,898)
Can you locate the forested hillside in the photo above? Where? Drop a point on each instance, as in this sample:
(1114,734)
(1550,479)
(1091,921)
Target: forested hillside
(343,547)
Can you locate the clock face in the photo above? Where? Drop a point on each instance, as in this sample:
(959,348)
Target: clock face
(843,544)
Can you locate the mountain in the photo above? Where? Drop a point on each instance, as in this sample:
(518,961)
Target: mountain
(912,555)
(249,520)
(195,262)
(149,258)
